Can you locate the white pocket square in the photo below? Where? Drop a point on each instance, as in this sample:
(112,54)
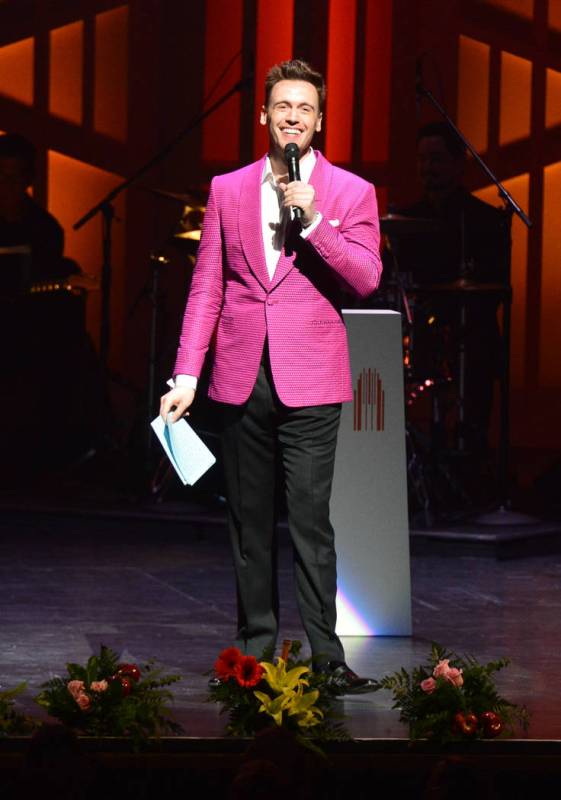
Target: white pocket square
(334,222)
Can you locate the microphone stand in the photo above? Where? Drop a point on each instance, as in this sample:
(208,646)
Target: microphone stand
(502,515)
(106,208)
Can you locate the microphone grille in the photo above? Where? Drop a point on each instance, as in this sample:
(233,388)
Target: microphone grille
(291,151)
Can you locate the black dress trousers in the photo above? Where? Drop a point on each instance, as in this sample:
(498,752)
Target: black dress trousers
(253,436)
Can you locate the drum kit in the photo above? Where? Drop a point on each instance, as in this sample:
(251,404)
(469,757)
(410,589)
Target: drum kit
(186,233)
(434,360)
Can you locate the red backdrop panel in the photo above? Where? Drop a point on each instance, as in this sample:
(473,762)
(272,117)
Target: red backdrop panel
(275,22)
(377,76)
(223,40)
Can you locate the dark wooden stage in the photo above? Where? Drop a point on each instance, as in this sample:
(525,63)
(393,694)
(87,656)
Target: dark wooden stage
(160,585)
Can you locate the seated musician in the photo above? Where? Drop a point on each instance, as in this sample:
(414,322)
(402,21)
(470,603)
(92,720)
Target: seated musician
(457,265)
(42,331)
(23,222)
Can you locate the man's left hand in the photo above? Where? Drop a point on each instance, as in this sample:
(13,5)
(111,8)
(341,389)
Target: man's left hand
(301,195)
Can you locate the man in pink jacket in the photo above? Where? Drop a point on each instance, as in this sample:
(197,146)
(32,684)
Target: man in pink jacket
(265,298)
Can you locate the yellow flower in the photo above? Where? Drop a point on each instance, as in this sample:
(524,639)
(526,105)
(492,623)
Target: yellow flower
(273,707)
(302,706)
(310,718)
(289,688)
(279,679)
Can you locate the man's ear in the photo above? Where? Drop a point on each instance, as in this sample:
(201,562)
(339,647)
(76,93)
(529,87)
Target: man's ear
(318,123)
(263,116)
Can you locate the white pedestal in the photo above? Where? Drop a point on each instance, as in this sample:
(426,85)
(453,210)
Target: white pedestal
(369,498)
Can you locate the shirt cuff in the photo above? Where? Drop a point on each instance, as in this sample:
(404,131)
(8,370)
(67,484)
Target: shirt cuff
(305,232)
(185,382)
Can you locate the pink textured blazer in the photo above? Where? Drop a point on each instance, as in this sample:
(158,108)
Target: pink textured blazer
(233,305)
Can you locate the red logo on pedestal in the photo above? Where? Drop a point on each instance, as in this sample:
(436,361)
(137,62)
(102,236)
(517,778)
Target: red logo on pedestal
(368,402)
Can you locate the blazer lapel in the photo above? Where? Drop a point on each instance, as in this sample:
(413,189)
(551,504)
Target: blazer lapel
(249,223)
(320,180)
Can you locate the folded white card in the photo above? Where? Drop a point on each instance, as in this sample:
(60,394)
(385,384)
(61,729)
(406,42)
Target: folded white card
(186,451)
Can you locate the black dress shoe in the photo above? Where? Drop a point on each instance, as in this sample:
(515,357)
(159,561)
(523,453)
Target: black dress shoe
(342,678)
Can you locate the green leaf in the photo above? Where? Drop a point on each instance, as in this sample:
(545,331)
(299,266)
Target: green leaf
(76,672)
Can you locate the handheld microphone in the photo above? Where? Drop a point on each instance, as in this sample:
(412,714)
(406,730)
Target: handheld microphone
(292,158)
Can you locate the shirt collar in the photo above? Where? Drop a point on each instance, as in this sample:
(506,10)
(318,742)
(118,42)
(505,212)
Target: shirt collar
(307,165)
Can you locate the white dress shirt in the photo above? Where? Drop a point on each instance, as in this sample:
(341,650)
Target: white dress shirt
(274,222)
(274,216)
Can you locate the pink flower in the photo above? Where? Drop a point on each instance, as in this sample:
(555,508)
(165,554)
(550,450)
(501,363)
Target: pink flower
(450,674)
(428,685)
(83,701)
(99,686)
(455,676)
(441,668)
(76,688)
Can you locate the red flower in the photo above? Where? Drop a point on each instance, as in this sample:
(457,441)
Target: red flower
(248,672)
(492,724)
(226,663)
(130,670)
(465,723)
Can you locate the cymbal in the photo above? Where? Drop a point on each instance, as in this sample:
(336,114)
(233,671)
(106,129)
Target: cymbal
(400,225)
(188,229)
(191,235)
(193,197)
(463,285)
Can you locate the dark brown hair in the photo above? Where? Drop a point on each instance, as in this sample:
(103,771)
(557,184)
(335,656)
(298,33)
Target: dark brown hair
(14,145)
(294,70)
(451,140)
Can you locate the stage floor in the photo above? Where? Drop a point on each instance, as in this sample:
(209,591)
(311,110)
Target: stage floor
(164,589)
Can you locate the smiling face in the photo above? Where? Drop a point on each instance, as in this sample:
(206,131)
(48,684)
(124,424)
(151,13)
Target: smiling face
(292,115)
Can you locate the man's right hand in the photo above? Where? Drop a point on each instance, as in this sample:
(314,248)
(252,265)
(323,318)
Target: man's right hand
(178,401)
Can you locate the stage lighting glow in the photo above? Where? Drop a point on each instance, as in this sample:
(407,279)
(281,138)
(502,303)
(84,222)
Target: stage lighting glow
(349,620)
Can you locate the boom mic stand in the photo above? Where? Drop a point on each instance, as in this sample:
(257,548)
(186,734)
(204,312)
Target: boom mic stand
(106,208)
(502,515)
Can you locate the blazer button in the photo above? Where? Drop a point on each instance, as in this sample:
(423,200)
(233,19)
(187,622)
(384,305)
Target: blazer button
(270,301)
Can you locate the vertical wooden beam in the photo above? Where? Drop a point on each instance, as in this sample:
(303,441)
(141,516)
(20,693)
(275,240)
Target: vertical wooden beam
(403,109)
(310,33)
(310,42)
(41,104)
(274,43)
(494,121)
(249,103)
(88,67)
(340,78)
(359,81)
(535,240)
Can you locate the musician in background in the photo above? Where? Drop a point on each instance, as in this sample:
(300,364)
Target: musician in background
(42,333)
(22,220)
(459,265)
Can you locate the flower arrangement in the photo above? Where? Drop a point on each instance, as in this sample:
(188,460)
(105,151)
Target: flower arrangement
(107,698)
(13,722)
(283,692)
(453,699)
